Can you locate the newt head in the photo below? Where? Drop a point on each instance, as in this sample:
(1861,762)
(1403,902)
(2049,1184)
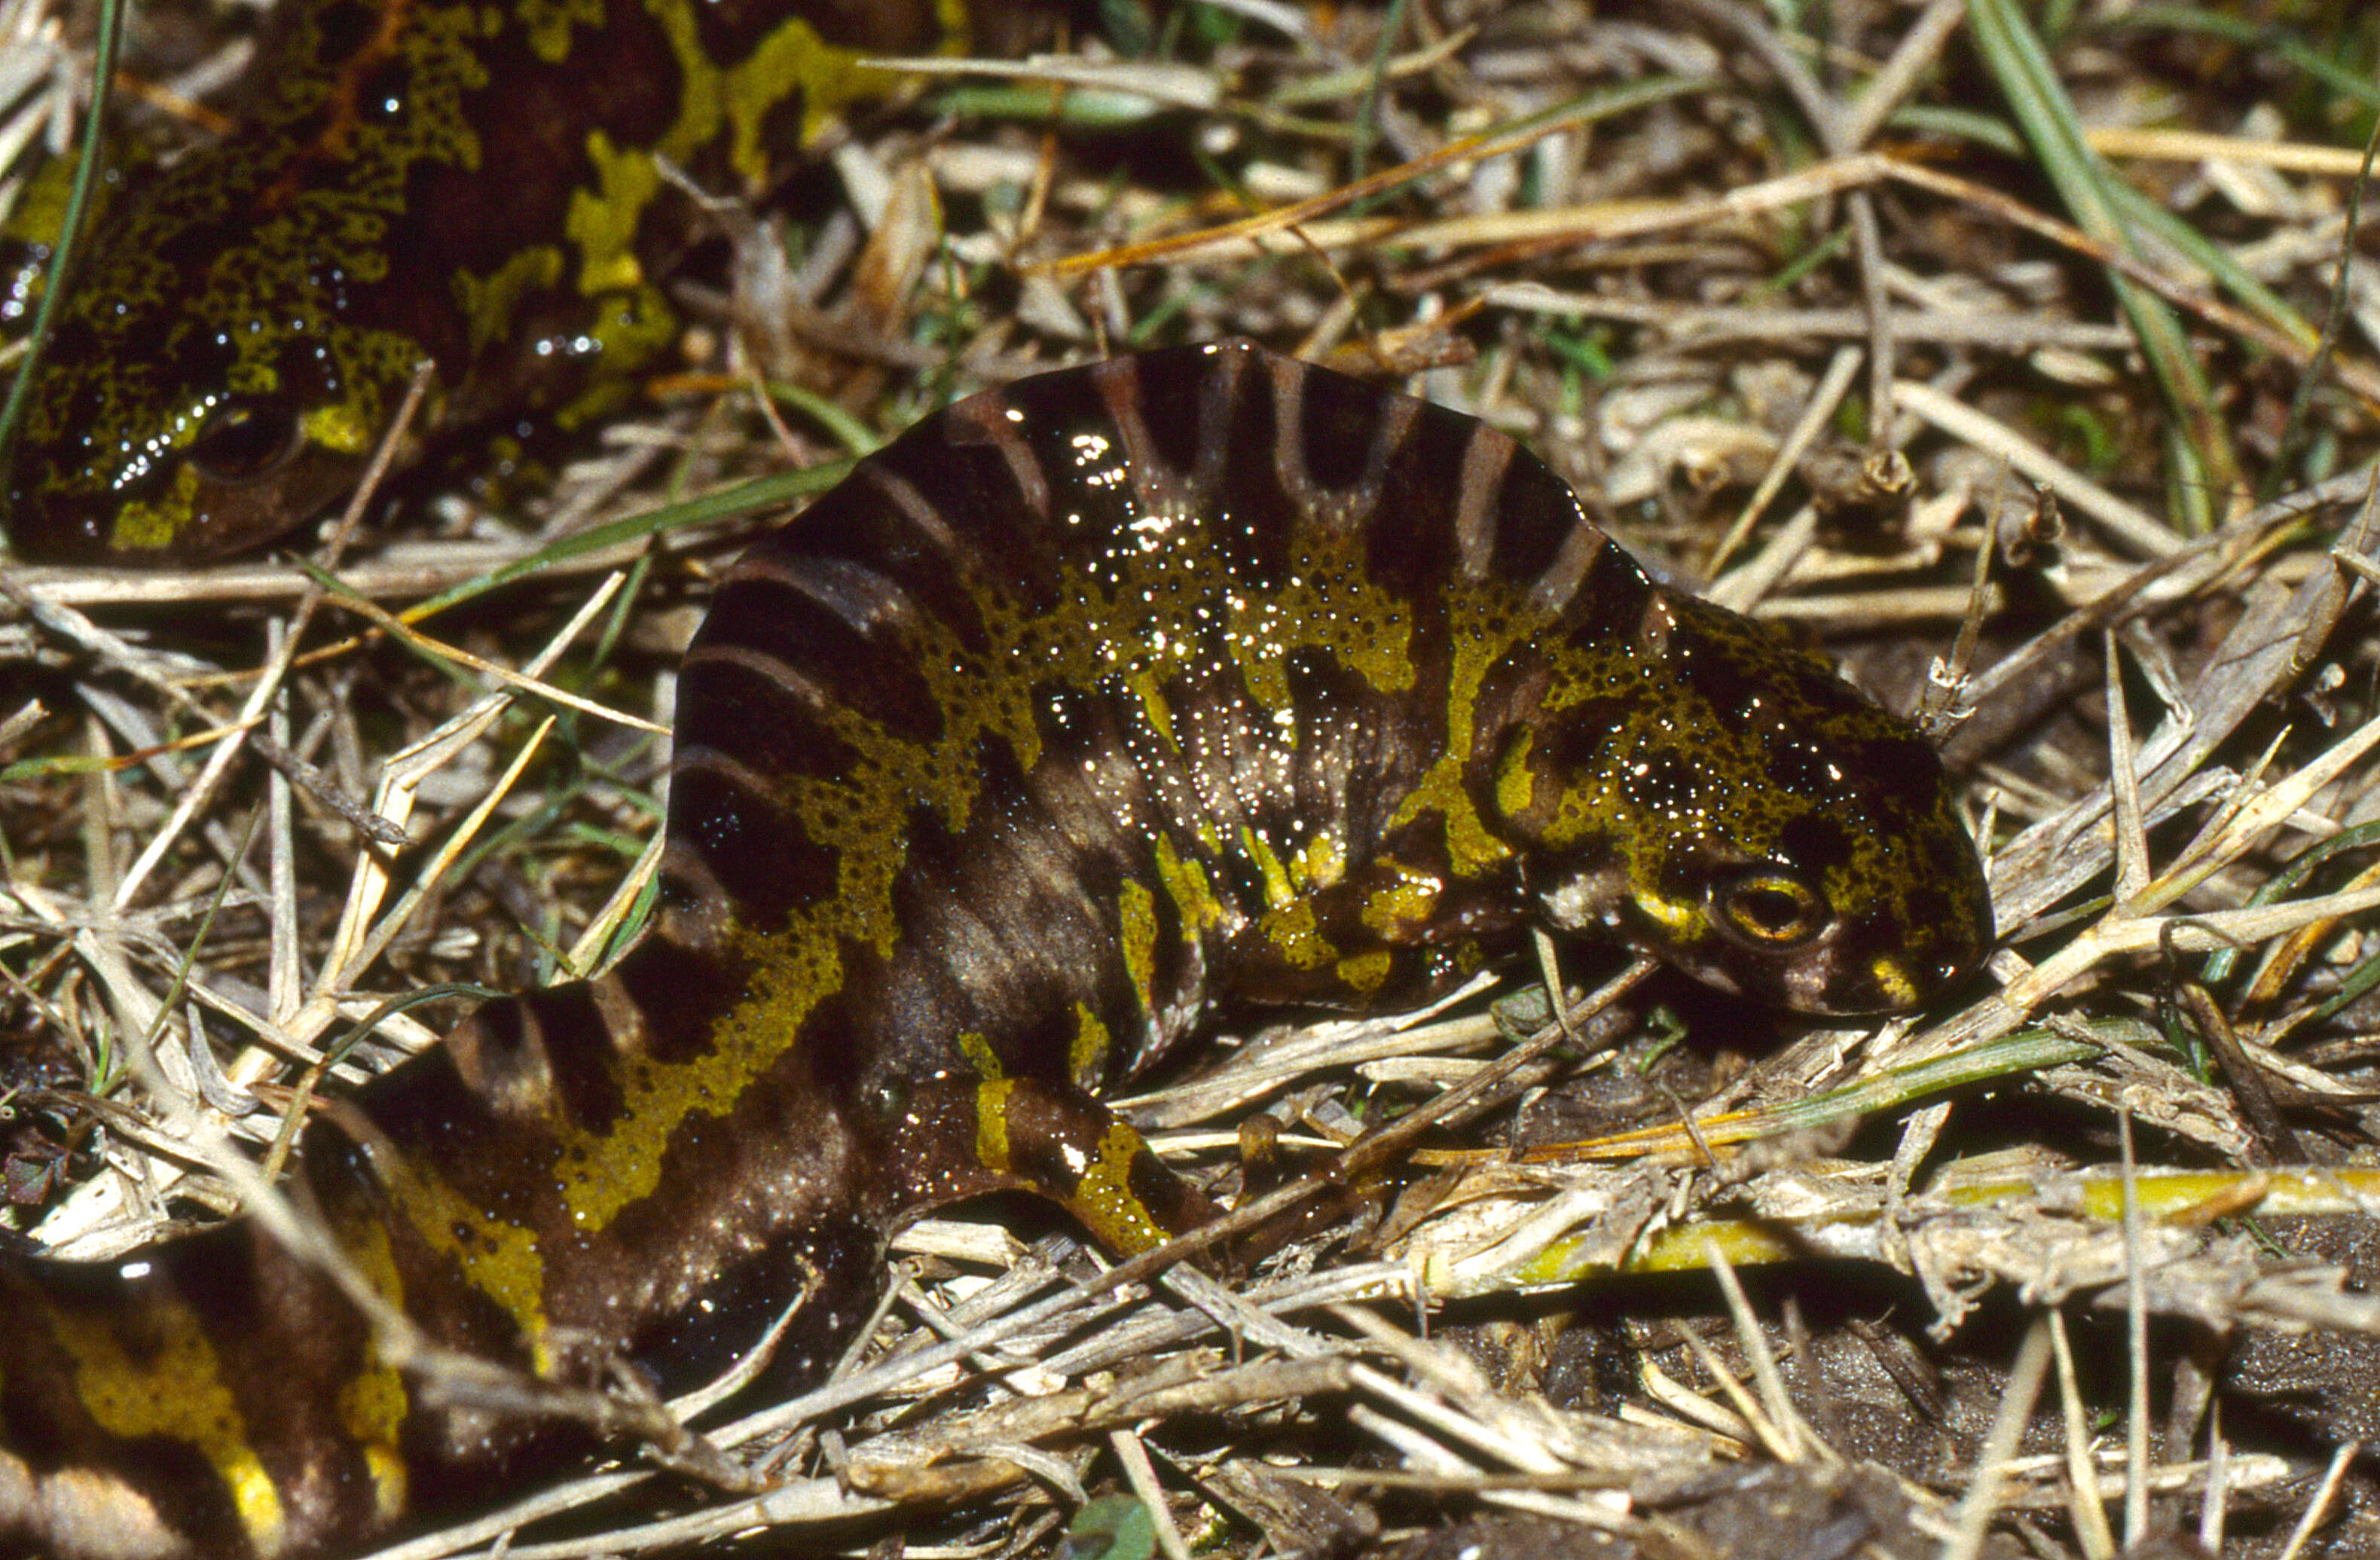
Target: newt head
(198,398)
(240,330)
(1724,802)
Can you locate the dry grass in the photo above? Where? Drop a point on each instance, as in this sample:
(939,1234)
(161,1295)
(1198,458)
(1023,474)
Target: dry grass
(1926,338)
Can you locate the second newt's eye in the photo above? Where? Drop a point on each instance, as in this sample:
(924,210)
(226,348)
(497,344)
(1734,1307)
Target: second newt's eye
(245,438)
(1768,909)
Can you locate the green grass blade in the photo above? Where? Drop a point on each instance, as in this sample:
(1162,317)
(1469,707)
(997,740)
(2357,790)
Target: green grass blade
(2203,468)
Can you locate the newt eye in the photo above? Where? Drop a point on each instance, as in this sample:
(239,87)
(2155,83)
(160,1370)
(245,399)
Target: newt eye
(244,438)
(1768,909)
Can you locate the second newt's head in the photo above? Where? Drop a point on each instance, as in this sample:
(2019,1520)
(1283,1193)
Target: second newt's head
(172,478)
(209,386)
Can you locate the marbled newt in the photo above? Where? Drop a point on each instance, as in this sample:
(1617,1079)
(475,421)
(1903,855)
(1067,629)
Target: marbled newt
(497,189)
(1088,716)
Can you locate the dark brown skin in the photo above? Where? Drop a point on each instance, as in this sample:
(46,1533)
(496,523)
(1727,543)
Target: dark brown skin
(473,186)
(1086,716)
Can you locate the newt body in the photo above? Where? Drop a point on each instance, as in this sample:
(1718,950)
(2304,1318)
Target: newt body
(1089,715)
